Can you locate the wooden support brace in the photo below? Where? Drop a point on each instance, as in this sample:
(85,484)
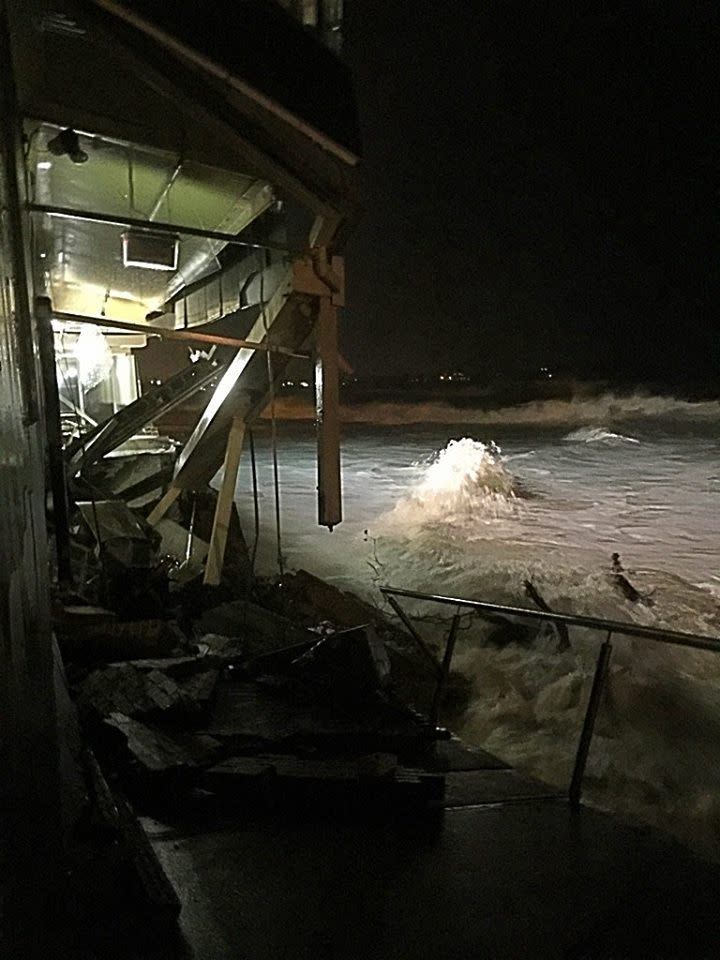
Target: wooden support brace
(161,508)
(225,500)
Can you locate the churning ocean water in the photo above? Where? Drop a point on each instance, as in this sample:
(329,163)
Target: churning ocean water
(472,503)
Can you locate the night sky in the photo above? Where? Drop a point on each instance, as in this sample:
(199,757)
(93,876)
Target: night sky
(542,185)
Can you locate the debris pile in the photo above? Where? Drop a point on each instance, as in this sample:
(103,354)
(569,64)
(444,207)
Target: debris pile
(253,721)
(251,697)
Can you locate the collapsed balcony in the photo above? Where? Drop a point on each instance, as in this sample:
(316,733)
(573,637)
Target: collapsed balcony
(179,191)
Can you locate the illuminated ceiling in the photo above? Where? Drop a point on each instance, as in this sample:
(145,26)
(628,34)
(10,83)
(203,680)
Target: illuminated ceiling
(80,262)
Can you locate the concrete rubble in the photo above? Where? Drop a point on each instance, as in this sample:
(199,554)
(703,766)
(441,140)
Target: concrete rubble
(207,705)
(249,697)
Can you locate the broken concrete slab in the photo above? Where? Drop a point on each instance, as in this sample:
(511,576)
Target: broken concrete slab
(247,711)
(261,629)
(162,751)
(125,689)
(158,891)
(76,615)
(237,774)
(108,641)
(173,666)
(418,789)
(130,690)
(220,648)
(347,667)
(310,600)
(467,788)
(109,520)
(199,689)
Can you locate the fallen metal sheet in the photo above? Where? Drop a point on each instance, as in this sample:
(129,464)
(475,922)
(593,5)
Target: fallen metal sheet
(154,403)
(174,542)
(111,520)
(243,390)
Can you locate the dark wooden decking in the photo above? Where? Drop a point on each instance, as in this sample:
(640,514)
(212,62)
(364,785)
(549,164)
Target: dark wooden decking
(506,870)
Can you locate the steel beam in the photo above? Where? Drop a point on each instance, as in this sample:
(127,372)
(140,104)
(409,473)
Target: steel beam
(170,333)
(243,390)
(327,412)
(154,226)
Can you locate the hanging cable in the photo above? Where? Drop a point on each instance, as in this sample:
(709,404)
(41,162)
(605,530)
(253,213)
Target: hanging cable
(273,422)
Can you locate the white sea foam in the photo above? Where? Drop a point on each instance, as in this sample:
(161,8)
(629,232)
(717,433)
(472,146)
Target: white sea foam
(466,482)
(609,408)
(655,756)
(456,522)
(598,435)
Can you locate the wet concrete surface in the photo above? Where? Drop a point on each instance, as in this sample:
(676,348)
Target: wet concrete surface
(531,878)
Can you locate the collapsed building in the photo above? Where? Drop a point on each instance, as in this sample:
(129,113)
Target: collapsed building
(187,173)
(183,172)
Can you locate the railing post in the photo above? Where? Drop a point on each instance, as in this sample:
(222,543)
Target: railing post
(593,707)
(444,669)
(414,634)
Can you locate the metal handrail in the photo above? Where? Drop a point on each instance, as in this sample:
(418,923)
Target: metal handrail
(609,627)
(674,637)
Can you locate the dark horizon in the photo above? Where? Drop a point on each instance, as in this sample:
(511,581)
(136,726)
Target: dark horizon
(541,189)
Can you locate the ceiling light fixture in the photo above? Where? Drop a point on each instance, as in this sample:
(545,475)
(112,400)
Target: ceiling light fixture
(67,143)
(150,251)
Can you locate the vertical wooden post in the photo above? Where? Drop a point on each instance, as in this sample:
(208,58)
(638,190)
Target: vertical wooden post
(327,408)
(225,500)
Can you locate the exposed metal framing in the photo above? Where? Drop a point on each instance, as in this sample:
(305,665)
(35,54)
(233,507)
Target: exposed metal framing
(154,226)
(167,333)
(181,85)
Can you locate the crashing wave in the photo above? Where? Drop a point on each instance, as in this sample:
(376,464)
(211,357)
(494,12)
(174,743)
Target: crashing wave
(466,480)
(598,435)
(605,409)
